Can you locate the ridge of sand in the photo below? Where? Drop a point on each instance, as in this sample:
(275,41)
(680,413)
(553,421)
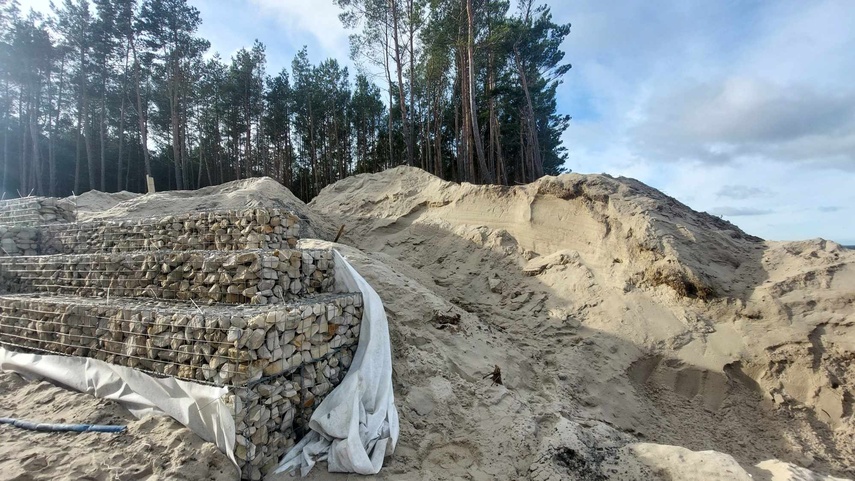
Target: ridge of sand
(633,309)
(637,338)
(238,194)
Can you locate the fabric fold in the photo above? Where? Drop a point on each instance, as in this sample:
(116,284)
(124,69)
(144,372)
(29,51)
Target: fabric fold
(356,426)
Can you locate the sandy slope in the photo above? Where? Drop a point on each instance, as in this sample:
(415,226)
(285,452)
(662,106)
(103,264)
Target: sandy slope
(152,448)
(637,339)
(606,300)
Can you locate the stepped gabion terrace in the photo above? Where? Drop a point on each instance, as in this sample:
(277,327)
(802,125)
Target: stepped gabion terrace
(221,298)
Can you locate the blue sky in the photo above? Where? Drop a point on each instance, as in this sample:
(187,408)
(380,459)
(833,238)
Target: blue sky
(744,109)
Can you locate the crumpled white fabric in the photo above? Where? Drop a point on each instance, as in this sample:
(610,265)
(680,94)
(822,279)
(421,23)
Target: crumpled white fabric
(356,425)
(200,407)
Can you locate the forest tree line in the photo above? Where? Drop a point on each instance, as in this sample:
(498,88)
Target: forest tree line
(97,94)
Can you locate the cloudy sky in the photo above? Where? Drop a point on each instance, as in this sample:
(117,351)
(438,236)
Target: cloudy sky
(745,109)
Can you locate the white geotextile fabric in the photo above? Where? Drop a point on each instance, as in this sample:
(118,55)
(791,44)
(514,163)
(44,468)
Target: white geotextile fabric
(356,425)
(198,406)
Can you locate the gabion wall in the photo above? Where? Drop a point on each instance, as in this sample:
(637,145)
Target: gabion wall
(215,297)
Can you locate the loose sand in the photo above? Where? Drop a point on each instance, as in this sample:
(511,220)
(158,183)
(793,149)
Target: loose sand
(637,338)
(153,447)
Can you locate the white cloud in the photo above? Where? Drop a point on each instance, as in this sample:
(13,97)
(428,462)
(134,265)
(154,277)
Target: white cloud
(739,211)
(748,117)
(317,18)
(741,192)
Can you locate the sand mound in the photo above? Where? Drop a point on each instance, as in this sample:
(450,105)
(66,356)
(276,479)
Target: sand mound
(239,194)
(606,220)
(606,300)
(95,201)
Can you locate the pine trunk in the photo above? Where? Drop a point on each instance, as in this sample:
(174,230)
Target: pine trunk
(141,115)
(404,118)
(6,115)
(486,175)
(534,144)
(87,141)
(36,152)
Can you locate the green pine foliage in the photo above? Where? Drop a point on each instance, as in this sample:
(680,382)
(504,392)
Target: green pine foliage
(98,94)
